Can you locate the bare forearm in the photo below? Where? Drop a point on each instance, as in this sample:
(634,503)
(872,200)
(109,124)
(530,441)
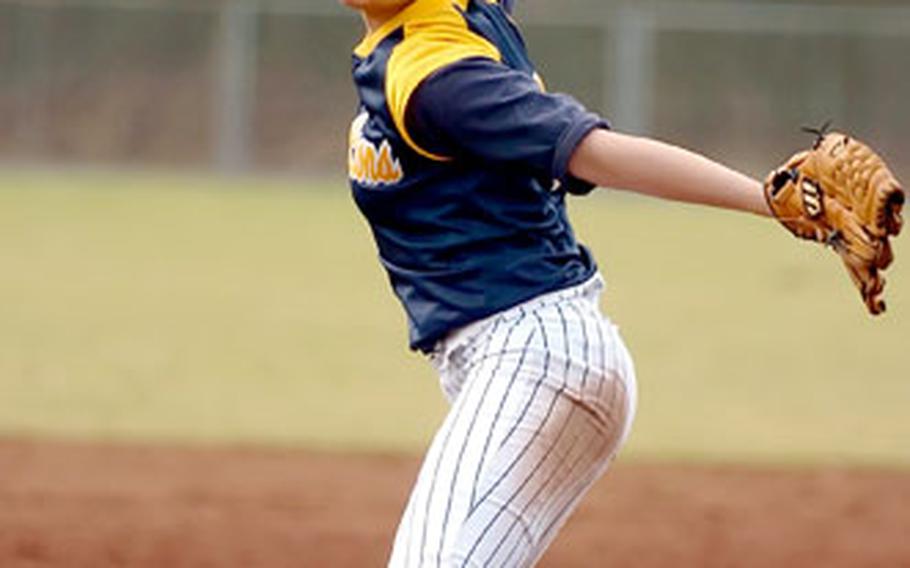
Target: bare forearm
(662,170)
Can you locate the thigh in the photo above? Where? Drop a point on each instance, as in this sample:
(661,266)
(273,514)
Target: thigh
(561,425)
(441,495)
(543,408)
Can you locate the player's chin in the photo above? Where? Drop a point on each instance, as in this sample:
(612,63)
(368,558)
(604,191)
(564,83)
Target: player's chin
(359,4)
(376,5)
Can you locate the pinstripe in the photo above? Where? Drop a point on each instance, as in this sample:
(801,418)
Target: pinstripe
(524,483)
(602,349)
(575,494)
(531,398)
(467,436)
(556,442)
(412,513)
(578,482)
(554,475)
(566,474)
(576,489)
(452,427)
(486,445)
(556,397)
(430,491)
(569,474)
(620,388)
(586,348)
(475,505)
(432,484)
(440,456)
(607,371)
(582,320)
(614,366)
(566,343)
(482,359)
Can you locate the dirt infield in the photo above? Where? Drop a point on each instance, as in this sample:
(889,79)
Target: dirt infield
(88,505)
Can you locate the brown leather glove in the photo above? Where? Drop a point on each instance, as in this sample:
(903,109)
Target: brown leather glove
(842,194)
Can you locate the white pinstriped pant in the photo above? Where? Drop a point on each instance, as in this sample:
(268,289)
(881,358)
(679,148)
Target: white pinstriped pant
(543,396)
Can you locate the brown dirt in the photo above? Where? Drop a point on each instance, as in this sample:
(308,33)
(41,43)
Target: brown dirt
(92,505)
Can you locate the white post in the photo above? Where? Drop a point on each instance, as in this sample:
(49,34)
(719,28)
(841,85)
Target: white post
(234,91)
(630,70)
(30,61)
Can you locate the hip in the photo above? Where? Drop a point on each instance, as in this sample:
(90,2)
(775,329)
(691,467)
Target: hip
(558,341)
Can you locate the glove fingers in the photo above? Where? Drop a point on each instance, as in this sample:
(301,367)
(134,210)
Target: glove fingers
(850,238)
(885,254)
(866,251)
(877,255)
(870,284)
(894,202)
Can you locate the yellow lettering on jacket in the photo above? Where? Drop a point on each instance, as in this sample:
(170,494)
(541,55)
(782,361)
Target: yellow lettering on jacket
(369,164)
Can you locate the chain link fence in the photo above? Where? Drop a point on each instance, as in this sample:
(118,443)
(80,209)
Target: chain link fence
(264,85)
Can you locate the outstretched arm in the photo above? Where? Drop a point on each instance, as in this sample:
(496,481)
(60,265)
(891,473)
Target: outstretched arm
(643,165)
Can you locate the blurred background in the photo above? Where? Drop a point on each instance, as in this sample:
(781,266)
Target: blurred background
(263,85)
(179,257)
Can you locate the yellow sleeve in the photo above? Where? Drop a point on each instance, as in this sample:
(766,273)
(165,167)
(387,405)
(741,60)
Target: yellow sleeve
(429,44)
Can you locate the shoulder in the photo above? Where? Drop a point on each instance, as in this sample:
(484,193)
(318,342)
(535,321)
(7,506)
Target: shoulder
(431,41)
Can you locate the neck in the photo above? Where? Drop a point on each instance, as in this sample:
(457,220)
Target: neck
(373,19)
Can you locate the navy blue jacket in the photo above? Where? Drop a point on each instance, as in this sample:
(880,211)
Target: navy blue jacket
(458,159)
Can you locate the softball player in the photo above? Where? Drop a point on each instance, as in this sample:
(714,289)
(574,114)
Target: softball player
(461,163)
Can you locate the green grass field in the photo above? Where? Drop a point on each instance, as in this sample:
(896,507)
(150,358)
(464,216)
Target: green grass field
(254,311)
